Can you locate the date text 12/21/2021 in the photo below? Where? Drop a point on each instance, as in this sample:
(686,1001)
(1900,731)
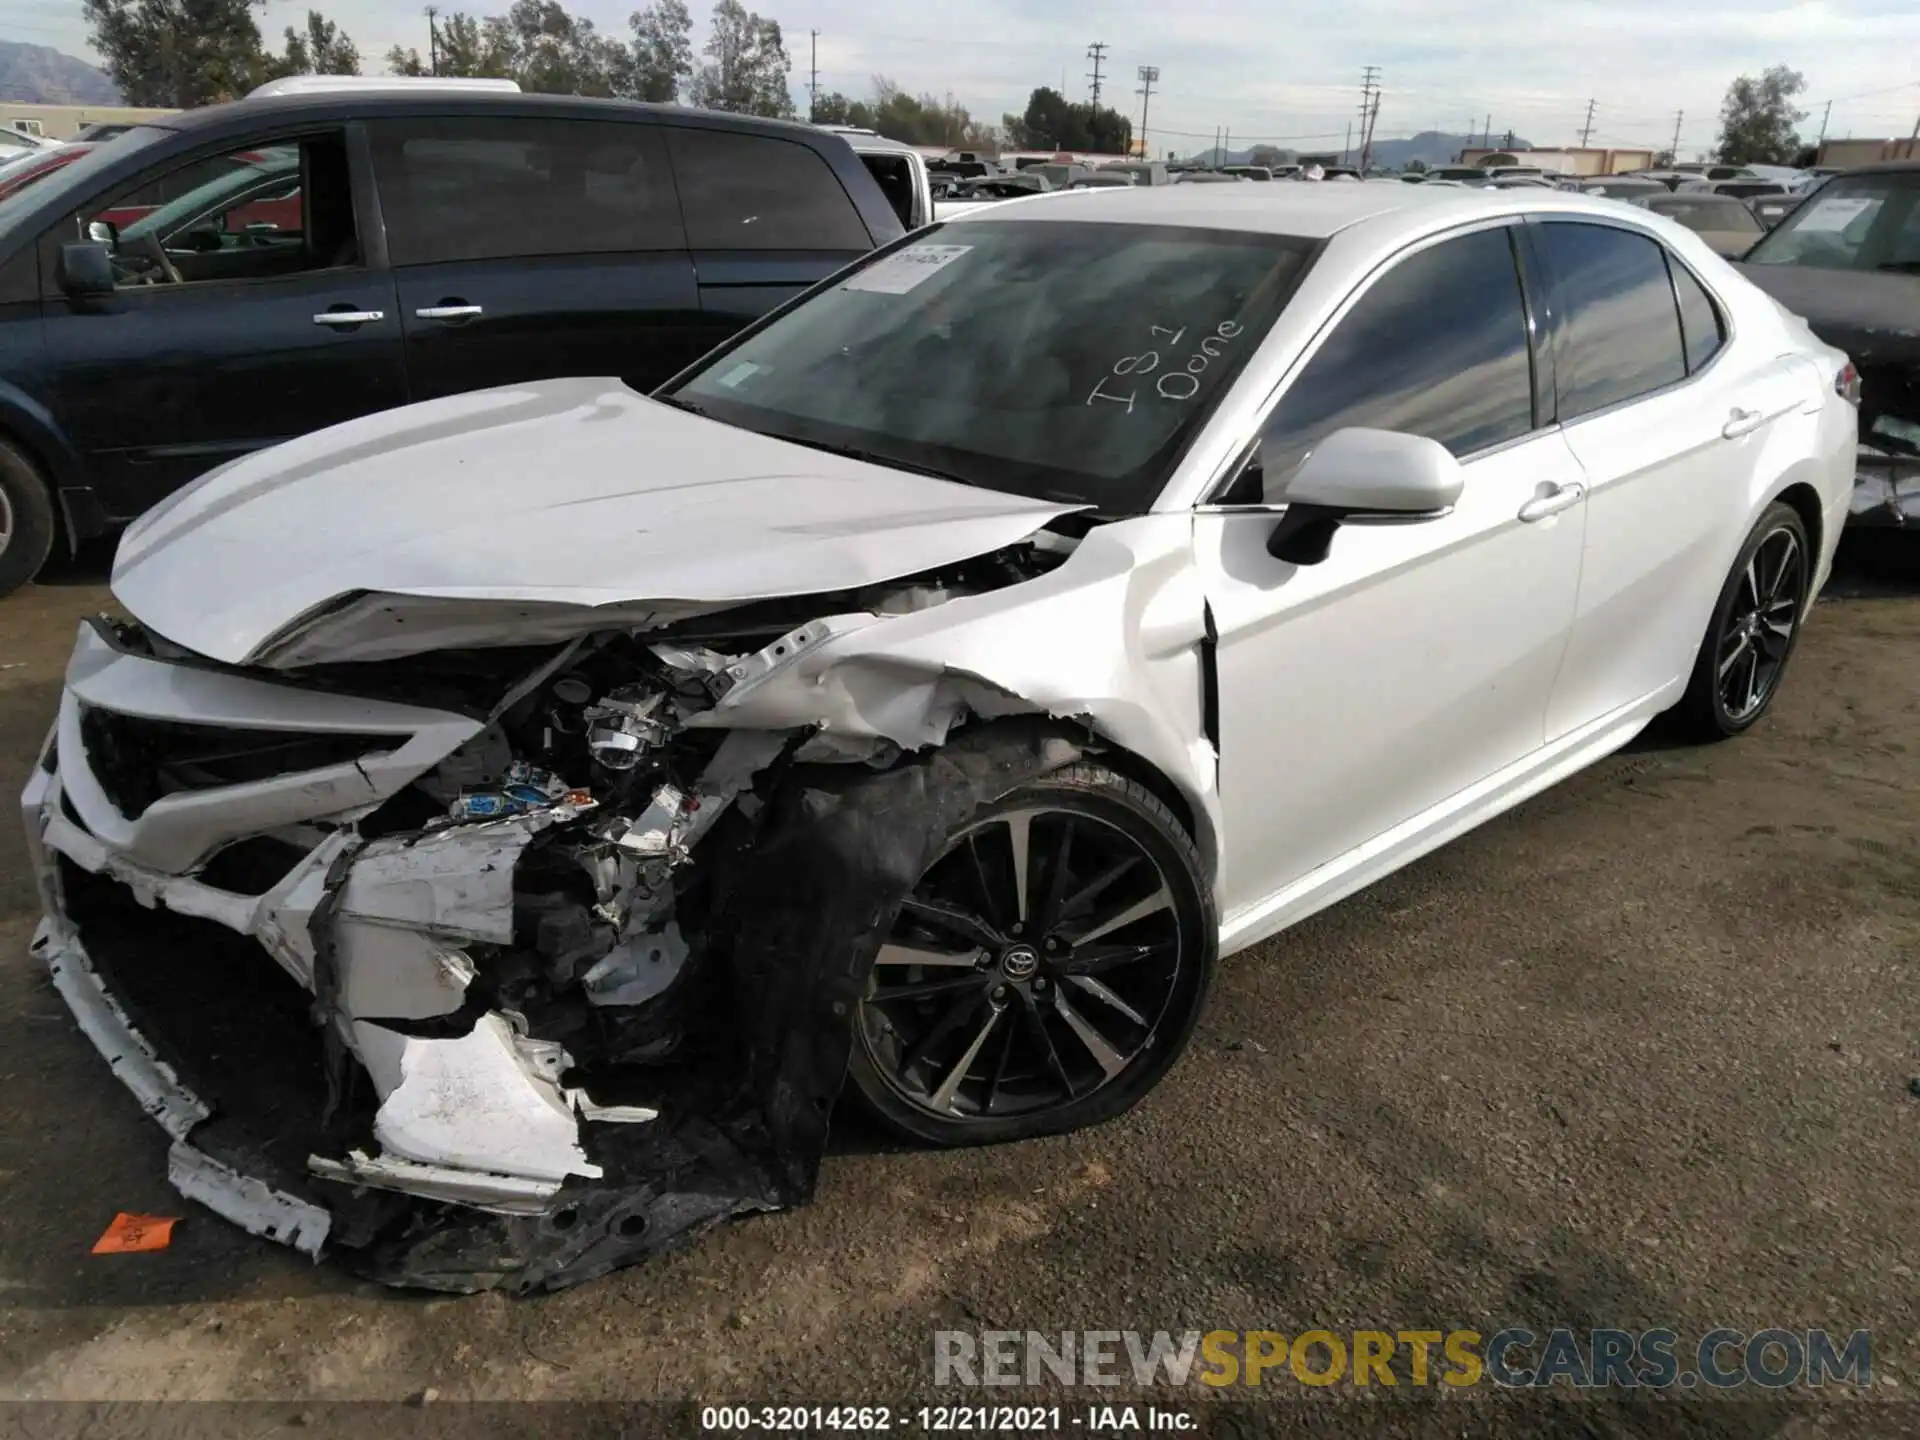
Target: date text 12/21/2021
(1090,1420)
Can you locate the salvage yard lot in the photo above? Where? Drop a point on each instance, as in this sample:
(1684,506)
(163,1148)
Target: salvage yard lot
(1638,1053)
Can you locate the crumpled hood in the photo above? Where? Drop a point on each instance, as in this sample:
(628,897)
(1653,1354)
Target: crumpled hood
(547,500)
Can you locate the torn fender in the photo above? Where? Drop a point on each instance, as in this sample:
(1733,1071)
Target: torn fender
(1112,638)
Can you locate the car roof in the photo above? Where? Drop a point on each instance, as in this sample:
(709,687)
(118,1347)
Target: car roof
(429,100)
(1312,212)
(1884,167)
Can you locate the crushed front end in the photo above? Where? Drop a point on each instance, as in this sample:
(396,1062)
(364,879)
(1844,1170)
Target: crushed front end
(482,968)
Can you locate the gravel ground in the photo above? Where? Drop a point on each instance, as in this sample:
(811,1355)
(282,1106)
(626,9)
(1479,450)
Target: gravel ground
(1642,1052)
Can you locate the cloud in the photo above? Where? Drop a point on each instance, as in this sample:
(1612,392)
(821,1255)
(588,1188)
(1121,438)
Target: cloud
(1268,72)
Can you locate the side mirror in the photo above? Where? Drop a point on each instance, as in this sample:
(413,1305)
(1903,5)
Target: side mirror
(85,270)
(103,232)
(1362,477)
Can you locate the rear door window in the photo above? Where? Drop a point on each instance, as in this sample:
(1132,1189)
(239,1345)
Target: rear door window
(1620,328)
(1436,347)
(513,187)
(756,192)
(1700,324)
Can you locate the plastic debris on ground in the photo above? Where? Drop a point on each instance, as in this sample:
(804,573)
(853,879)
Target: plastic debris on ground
(131,1234)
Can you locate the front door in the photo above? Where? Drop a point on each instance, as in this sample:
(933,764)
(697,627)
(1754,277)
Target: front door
(1415,660)
(245,315)
(527,248)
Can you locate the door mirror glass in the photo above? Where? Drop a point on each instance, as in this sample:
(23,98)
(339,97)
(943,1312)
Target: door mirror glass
(85,270)
(1377,472)
(103,232)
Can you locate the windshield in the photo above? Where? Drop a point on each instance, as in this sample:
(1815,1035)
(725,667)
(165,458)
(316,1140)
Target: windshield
(1855,222)
(77,177)
(1707,215)
(1063,360)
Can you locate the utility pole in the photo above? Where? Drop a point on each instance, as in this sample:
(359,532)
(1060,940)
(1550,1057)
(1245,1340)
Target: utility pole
(1226,144)
(1912,141)
(1587,128)
(1346,146)
(813,77)
(1369,76)
(1096,52)
(1678,116)
(1489,130)
(1824,118)
(433,40)
(1217,152)
(1149,77)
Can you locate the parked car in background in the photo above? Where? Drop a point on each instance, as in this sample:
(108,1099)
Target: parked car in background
(1847,260)
(1456,172)
(1722,221)
(31,166)
(1770,210)
(1745,189)
(1248,172)
(1209,177)
(1050,648)
(1813,177)
(228,278)
(1103,180)
(1615,187)
(898,169)
(1143,172)
(103,131)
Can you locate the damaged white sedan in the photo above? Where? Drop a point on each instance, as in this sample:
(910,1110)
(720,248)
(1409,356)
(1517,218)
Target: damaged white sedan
(505,824)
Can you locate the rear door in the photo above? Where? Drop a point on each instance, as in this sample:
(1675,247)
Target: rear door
(525,248)
(247,313)
(1668,421)
(765,217)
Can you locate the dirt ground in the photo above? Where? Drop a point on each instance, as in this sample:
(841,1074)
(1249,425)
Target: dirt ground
(1642,1052)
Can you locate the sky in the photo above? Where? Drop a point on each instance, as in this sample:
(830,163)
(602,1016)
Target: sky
(1291,74)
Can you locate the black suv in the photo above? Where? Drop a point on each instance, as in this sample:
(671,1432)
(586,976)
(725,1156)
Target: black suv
(229,278)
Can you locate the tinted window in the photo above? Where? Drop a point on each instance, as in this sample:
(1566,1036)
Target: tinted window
(753,192)
(1436,347)
(1699,318)
(997,353)
(454,189)
(1620,330)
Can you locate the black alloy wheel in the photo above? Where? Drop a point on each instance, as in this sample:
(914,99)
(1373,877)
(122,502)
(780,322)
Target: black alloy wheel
(1754,627)
(1045,971)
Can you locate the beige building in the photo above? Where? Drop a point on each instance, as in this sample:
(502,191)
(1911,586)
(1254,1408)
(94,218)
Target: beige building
(1845,154)
(1574,160)
(63,122)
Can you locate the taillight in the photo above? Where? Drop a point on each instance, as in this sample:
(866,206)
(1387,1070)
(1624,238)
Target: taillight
(1846,385)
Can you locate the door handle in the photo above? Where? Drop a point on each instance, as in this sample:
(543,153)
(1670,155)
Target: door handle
(349,317)
(1561,497)
(1742,422)
(448,312)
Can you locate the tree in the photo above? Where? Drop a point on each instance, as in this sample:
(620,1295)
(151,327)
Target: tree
(325,49)
(465,48)
(837,109)
(1052,122)
(747,65)
(662,50)
(177,53)
(1757,118)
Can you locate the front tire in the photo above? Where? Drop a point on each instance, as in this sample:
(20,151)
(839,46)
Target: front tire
(1045,972)
(1755,625)
(26,519)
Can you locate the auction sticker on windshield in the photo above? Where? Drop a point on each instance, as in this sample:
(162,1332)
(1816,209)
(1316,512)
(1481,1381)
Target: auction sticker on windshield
(1836,213)
(904,269)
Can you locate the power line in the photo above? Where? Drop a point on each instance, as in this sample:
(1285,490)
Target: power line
(1096,52)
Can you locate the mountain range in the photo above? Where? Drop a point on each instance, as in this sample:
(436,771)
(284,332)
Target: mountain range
(42,75)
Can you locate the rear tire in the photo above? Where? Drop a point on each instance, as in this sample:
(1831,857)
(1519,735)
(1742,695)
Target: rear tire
(1755,626)
(992,1015)
(27,524)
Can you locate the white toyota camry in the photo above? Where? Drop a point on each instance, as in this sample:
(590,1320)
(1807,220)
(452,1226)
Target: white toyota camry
(505,824)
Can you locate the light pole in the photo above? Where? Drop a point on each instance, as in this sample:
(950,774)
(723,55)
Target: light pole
(1149,77)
